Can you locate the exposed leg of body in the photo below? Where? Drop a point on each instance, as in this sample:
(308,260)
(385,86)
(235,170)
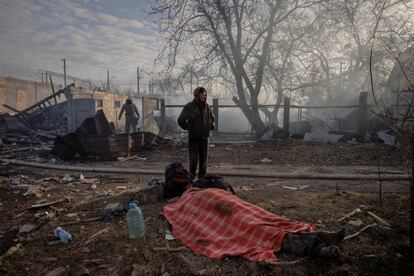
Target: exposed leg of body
(309,244)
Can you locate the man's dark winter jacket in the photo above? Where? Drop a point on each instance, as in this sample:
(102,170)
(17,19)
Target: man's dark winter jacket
(196,119)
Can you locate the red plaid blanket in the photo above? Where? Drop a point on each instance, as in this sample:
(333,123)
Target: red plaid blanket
(216,223)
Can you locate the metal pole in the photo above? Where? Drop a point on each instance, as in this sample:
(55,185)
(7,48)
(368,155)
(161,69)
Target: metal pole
(216,115)
(143,114)
(64,71)
(107,80)
(341,77)
(138,80)
(286,113)
(162,118)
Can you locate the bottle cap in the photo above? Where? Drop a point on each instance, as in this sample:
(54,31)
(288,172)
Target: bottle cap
(133,203)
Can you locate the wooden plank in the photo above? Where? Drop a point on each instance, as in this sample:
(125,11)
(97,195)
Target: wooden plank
(47,204)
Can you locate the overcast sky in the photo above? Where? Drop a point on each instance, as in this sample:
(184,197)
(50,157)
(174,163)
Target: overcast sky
(92,35)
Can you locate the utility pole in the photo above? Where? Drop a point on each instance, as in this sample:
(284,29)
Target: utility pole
(341,77)
(107,80)
(64,71)
(138,80)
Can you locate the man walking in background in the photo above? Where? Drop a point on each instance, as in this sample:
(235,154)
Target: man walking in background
(197,118)
(131,115)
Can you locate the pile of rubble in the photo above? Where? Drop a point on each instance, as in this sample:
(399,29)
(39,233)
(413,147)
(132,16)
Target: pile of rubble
(96,138)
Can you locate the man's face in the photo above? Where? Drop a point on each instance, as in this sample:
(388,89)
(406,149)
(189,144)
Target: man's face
(202,97)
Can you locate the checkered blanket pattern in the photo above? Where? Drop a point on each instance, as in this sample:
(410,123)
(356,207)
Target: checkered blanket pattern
(217,224)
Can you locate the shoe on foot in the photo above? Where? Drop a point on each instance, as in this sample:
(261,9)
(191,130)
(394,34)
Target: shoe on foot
(330,252)
(331,238)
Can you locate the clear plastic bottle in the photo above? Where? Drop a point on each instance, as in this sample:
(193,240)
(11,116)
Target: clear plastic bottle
(135,221)
(64,236)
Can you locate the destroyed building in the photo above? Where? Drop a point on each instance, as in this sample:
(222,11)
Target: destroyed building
(69,115)
(38,105)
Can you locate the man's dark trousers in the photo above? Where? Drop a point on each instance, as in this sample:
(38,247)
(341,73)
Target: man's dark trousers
(198,148)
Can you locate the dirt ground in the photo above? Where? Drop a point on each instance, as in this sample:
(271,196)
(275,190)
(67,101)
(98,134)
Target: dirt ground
(103,247)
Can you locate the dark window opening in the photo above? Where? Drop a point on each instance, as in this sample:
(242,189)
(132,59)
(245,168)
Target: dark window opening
(99,103)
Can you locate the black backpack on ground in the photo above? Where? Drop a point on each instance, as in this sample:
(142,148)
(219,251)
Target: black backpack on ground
(177,180)
(213,181)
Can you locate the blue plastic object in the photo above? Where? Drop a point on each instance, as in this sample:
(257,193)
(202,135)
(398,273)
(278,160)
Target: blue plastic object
(63,236)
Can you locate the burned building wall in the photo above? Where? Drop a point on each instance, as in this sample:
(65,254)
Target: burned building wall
(20,94)
(110,103)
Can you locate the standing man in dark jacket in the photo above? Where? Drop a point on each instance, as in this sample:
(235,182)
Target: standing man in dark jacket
(131,115)
(197,118)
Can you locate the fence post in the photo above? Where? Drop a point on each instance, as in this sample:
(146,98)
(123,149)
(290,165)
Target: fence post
(162,117)
(363,111)
(216,115)
(286,113)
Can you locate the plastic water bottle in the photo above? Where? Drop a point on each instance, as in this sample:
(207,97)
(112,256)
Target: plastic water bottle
(64,236)
(135,221)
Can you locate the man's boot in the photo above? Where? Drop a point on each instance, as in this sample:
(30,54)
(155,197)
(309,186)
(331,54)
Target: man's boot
(328,237)
(331,238)
(329,252)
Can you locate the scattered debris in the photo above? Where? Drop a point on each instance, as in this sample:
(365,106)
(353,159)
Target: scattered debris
(36,206)
(120,159)
(14,249)
(355,223)
(169,237)
(296,188)
(94,236)
(139,269)
(359,232)
(378,219)
(27,228)
(17,150)
(67,178)
(56,272)
(15,180)
(266,160)
(291,263)
(81,221)
(354,212)
(170,249)
(64,236)
(95,138)
(112,209)
(78,270)
(33,190)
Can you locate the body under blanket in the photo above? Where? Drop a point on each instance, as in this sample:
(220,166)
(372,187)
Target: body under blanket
(217,224)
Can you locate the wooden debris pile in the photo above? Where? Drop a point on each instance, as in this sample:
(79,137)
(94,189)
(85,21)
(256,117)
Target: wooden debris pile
(96,138)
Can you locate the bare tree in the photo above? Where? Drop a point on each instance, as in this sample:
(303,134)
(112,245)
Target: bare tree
(236,34)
